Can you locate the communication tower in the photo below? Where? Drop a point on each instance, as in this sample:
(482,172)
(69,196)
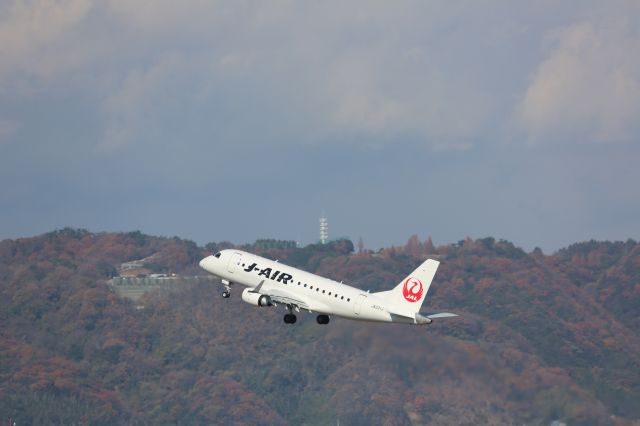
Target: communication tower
(324,230)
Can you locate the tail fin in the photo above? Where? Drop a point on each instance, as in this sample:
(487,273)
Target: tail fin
(407,297)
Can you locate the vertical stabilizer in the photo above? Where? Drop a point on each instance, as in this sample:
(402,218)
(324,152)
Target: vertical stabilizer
(407,297)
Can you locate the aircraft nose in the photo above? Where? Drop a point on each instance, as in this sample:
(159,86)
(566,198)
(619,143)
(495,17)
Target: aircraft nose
(204,262)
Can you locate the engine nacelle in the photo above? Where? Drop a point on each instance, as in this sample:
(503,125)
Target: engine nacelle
(255,299)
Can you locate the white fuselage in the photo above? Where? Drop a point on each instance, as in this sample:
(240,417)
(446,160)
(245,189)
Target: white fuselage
(299,289)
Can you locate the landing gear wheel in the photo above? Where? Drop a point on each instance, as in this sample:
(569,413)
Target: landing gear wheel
(226,289)
(322,319)
(290,319)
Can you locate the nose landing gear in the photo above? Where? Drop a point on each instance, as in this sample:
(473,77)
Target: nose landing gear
(227,289)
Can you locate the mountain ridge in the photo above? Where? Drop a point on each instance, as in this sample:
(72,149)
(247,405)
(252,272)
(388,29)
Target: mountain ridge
(541,338)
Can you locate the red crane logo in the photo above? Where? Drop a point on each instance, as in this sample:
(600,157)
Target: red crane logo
(412,290)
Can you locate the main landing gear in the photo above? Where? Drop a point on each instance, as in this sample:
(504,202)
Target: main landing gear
(290,318)
(322,319)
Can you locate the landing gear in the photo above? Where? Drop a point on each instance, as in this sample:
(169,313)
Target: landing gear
(322,319)
(290,319)
(227,289)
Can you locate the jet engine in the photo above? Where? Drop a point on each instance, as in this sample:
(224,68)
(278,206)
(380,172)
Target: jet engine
(255,299)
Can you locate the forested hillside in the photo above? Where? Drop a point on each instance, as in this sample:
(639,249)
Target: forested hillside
(541,338)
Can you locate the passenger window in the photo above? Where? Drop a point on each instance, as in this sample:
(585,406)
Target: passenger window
(305,285)
(322,291)
(348,300)
(342,298)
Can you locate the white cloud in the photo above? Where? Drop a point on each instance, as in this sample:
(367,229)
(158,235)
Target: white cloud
(393,91)
(30,30)
(353,71)
(140,91)
(167,18)
(357,101)
(346,71)
(588,88)
(370,72)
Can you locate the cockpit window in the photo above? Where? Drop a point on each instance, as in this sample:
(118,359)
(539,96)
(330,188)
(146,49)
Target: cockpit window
(217,255)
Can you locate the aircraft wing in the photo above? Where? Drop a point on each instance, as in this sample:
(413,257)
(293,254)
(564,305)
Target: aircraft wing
(288,300)
(279,295)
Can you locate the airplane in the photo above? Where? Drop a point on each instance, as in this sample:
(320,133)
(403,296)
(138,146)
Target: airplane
(271,283)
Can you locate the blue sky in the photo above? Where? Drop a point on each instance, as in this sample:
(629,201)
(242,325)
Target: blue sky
(226,120)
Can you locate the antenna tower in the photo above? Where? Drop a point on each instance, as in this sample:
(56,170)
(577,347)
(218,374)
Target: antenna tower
(324,230)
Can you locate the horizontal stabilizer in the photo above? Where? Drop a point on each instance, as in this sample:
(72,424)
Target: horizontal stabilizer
(441,315)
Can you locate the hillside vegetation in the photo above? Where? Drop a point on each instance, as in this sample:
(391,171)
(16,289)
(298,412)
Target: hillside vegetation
(541,338)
